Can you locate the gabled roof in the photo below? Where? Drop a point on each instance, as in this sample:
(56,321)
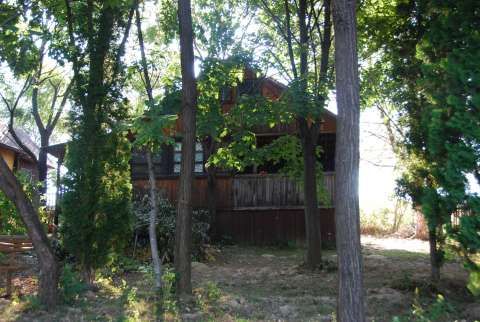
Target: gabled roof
(282,87)
(8,142)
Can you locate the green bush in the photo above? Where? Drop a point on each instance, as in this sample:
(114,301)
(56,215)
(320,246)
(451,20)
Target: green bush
(166,226)
(71,285)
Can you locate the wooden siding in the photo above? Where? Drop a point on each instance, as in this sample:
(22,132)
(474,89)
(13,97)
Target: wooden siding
(168,186)
(273,191)
(243,191)
(266,227)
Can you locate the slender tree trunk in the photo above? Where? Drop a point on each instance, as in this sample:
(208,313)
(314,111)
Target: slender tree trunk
(312,220)
(210,147)
(308,136)
(42,165)
(48,277)
(351,307)
(434,260)
(152,231)
(58,193)
(183,230)
(212,200)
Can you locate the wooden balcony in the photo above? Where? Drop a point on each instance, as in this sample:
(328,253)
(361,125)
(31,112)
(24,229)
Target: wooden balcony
(273,191)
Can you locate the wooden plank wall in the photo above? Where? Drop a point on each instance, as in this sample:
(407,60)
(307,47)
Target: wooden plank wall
(265,191)
(243,191)
(268,227)
(168,186)
(273,191)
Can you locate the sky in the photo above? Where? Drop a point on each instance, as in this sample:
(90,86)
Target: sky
(377,161)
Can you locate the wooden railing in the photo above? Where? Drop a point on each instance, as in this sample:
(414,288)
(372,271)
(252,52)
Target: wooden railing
(274,191)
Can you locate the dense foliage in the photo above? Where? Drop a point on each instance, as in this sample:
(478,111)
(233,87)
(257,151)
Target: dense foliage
(166,226)
(432,81)
(96,207)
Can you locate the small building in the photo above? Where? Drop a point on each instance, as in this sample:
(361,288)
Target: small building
(259,205)
(15,157)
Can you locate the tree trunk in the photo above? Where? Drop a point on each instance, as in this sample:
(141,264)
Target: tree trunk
(212,200)
(42,166)
(434,256)
(48,277)
(183,229)
(210,147)
(152,231)
(421,228)
(350,306)
(309,140)
(312,220)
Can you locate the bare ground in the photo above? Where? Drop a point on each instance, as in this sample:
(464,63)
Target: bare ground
(269,284)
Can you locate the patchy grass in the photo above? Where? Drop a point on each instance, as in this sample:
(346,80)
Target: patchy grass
(265,283)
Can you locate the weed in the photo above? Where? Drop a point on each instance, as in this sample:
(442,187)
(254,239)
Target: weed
(439,310)
(207,298)
(168,292)
(32,303)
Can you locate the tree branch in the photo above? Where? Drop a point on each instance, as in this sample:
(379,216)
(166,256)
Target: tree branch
(75,53)
(289,40)
(121,48)
(66,94)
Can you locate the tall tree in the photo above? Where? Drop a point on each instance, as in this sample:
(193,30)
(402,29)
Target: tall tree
(183,230)
(48,277)
(297,36)
(19,51)
(350,303)
(96,206)
(429,81)
(49,92)
(152,231)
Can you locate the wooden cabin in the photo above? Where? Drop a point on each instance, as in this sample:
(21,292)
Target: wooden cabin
(258,206)
(13,154)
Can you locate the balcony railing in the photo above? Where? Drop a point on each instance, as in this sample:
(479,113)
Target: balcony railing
(275,191)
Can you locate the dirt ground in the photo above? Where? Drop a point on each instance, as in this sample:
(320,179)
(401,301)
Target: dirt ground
(269,284)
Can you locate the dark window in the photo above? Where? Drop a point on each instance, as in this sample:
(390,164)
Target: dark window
(327,158)
(249,87)
(139,167)
(226,95)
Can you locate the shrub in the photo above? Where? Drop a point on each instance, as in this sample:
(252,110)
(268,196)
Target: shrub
(71,285)
(166,226)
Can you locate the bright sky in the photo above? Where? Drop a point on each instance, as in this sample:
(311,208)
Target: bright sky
(377,161)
